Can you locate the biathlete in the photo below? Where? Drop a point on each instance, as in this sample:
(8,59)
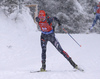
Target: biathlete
(45,24)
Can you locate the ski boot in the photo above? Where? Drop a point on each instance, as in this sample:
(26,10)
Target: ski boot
(72,63)
(75,65)
(78,68)
(43,68)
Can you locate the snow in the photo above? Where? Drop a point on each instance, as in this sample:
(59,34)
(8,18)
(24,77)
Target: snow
(20,52)
(80,9)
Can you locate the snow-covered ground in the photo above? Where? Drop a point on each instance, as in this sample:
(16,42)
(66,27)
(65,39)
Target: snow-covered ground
(20,52)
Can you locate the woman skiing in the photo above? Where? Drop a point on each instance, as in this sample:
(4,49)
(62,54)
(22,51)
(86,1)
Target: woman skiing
(45,24)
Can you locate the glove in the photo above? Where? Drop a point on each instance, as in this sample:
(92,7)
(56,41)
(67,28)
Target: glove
(37,19)
(94,13)
(59,24)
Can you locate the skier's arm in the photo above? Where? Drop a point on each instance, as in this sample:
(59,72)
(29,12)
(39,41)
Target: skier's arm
(95,8)
(59,23)
(37,19)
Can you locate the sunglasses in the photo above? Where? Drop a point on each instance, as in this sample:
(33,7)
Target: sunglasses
(41,16)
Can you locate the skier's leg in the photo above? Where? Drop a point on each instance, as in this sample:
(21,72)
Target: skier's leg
(59,48)
(43,55)
(57,45)
(43,46)
(94,21)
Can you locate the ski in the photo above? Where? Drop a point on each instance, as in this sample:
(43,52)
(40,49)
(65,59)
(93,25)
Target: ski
(80,69)
(75,70)
(39,71)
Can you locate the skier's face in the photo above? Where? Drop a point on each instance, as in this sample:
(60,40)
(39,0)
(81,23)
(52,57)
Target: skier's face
(42,18)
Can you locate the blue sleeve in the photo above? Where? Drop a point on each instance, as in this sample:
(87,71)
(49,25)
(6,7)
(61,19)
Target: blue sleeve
(95,9)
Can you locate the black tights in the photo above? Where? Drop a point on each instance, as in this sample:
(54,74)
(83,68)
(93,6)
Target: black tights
(51,37)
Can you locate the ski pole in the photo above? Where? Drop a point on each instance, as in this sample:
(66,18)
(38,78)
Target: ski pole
(71,37)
